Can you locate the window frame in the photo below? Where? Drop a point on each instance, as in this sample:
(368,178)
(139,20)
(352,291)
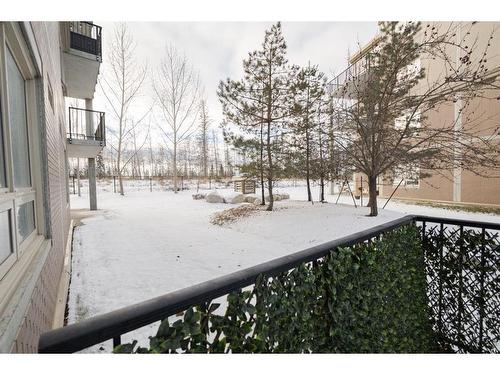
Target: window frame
(11,38)
(8,262)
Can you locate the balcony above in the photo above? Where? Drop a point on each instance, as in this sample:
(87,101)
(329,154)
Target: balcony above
(82,57)
(86,133)
(344,84)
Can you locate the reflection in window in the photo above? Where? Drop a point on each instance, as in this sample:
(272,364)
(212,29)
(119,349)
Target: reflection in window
(25,220)
(2,156)
(18,123)
(5,239)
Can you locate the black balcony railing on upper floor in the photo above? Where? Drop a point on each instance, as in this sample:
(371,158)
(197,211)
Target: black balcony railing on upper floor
(86,37)
(85,124)
(462,269)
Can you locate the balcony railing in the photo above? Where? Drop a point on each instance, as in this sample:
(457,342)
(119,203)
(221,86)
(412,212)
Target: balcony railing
(350,74)
(85,124)
(86,37)
(462,267)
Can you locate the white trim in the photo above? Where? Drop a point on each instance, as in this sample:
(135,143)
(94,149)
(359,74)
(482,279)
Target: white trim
(62,290)
(12,37)
(8,262)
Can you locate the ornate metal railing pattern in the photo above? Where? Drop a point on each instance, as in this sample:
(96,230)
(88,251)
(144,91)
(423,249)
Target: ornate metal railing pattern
(463,273)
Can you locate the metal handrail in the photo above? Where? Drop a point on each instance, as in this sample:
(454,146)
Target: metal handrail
(112,325)
(99,134)
(86,36)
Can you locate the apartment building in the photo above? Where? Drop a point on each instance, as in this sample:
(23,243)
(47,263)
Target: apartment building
(42,65)
(458,186)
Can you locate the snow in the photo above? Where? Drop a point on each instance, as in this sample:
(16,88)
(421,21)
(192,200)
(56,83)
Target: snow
(146,244)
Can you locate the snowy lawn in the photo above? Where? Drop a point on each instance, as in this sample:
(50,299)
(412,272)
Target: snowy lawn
(146,244)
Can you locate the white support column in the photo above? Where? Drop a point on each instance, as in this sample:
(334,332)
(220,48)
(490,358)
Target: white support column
(91,161)
(78,176)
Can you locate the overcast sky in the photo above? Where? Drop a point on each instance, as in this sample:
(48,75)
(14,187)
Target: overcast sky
(216,49)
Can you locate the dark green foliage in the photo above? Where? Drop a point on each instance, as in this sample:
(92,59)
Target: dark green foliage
(366,298)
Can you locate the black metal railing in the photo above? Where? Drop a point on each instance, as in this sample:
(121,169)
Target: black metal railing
(463,282)
(86,37)
(447,320)
(86,124)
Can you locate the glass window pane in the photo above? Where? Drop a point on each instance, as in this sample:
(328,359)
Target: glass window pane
(5,240)
(18,124)
(2,155)
(25,220)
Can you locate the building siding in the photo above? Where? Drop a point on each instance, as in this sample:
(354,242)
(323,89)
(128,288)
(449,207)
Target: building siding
(39,317)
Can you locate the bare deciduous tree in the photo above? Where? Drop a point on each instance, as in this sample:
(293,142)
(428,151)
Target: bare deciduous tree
(176,86)
(203,137)
(121,85)
(387,115)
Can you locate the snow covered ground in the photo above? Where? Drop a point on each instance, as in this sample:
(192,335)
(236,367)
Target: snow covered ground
(149,243)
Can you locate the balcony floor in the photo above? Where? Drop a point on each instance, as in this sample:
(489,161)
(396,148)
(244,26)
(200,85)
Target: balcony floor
(84,148)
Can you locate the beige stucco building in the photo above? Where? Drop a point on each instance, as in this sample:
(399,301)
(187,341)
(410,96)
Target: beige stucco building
(458,186)
(42,64)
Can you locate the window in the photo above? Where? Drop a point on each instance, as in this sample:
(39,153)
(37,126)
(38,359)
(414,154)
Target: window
(18,202)
(414,123)
(3,182)
(5,237)
(25,220)
(18,123)
(409,174)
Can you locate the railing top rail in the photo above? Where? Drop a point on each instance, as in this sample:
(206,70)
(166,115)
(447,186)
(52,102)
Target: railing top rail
(85,110)
(97,27)
(95,330)
(461,222)
(100,328)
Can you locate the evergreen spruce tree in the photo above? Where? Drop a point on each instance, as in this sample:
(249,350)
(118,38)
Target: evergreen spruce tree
(260,99)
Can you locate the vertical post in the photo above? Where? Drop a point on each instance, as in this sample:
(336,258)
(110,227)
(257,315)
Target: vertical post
(460,285)
(78,176)
(114,184)
(92,185)
(150,184)
(481,289)
(441,279)
(74,188)
(117,341)
(361,191)
(89,127)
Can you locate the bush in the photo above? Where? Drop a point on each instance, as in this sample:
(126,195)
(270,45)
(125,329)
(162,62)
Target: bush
(365,298)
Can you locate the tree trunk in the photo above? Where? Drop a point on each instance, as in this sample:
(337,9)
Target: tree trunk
(263,200)
(270,171)
(322,189)
(372,202)
(174,166)
(120,180)
(308,173)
